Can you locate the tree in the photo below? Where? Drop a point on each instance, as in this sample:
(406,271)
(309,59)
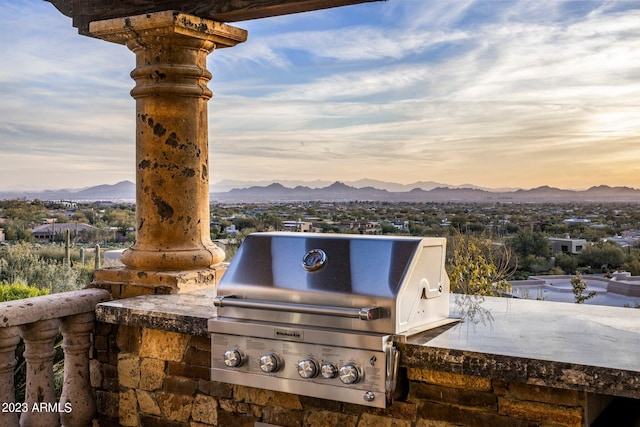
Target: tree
(477,268)
(535,264)
(602,255)
(528,242)
(579,287)
(388,228)
(244,223)
(123,219)
(567,262)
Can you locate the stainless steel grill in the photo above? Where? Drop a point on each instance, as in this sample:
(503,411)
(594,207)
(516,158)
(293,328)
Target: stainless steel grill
(318,314)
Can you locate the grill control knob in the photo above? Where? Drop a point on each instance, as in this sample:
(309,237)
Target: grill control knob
(307,368)
(270,363)
(233,358)
(349,374)
(328,371)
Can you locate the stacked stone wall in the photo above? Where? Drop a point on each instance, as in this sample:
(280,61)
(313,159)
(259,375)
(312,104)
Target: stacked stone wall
(148,377)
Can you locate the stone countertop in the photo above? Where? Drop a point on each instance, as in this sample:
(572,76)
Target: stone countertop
(573,346)
(564,345)
(186,313)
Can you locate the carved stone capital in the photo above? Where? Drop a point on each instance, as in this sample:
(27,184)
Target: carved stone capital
(142,30)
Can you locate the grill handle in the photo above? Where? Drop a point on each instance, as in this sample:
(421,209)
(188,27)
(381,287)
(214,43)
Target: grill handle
(367,313)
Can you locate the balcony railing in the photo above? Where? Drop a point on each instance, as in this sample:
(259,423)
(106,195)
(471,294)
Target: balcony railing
(38,321)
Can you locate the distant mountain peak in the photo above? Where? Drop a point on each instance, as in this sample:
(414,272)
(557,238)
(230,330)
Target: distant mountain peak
(275,186)
(338,185)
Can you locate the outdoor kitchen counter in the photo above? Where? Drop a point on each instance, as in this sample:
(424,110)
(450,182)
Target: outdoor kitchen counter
(580,347)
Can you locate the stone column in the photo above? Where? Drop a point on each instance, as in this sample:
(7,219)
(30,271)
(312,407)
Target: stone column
(172,166)
(173,251)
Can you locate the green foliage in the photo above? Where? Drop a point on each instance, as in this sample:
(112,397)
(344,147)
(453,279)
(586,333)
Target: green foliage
(234,243)
(477,267)
(632,266)
(17,231)
(556,271)
(602,256)
(23,210)
(388,228)
(527,242)
(535,264)
(567,262)
(243,223)
(21,264)
(15,291)
(122,218)
(579,288)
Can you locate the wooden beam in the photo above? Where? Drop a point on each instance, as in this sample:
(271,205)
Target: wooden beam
(85,11)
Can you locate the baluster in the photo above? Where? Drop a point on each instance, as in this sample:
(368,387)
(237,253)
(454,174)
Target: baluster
(77,403)
(39,339)
(9,339)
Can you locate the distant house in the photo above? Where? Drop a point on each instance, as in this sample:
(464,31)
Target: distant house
(576,221)
(362,227)
(53,231)
(566,245)
(625,242)
(300,226)
(627,239)
(231,230)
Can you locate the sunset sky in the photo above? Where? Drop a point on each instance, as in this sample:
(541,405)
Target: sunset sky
(492,93)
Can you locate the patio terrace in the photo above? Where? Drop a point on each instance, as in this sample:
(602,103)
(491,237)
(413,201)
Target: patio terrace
(146,360)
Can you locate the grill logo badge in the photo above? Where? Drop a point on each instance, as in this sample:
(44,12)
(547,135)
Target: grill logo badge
(291,334)
(314,260)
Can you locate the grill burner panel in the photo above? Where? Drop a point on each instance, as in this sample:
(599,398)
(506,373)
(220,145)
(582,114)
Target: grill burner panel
(306,363)
(318,314)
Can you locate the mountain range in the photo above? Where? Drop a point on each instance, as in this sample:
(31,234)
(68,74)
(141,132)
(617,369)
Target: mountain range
(363,190)
(339,191)
(228,184)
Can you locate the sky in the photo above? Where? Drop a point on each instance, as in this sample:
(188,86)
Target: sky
(499,94)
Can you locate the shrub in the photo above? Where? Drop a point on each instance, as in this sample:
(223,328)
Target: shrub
(21,264)
(579,288)
(15,291)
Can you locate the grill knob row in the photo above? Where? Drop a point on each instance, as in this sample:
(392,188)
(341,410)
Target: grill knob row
(348,374)
(307,368)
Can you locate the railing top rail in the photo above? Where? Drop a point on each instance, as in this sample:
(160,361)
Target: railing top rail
(55,306)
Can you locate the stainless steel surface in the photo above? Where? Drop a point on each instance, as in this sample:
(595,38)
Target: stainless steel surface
(350,372)
(402,276)
(318,314)
(392,357)
(367,313)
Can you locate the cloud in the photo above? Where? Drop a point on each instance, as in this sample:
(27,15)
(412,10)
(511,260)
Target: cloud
(497,93)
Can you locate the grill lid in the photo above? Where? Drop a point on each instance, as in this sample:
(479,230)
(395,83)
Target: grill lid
(367,283)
